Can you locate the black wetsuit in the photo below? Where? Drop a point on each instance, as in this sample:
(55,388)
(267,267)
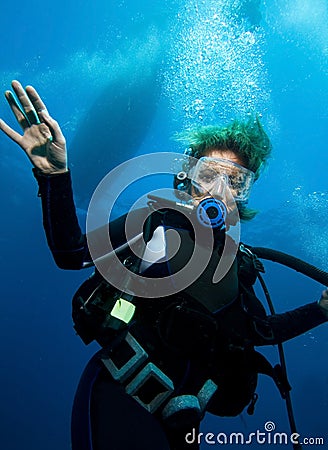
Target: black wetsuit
(104,416)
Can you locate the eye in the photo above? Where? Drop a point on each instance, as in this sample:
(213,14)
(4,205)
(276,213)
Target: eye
(231,179)
(235,179)
(207,176)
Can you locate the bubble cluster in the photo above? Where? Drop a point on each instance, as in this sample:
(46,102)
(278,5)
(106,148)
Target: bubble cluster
(216,67)
(310,212)
(303,23)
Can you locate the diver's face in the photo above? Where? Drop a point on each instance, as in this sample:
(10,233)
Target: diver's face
(217,153)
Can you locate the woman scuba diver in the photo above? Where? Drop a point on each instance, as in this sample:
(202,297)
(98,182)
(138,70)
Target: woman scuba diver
(162,364)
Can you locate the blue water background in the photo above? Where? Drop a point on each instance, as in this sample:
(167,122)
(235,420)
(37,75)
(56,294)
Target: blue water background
(269,57)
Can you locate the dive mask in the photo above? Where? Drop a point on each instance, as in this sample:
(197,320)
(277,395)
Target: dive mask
(212,175)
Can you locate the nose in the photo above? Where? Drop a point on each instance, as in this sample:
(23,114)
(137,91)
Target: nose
(220,186)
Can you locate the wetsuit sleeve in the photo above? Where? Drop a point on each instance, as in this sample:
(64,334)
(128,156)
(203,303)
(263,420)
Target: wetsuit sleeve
(65,239)
(279,328)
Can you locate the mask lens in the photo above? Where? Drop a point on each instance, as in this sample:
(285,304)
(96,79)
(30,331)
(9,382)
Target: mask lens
(208,170)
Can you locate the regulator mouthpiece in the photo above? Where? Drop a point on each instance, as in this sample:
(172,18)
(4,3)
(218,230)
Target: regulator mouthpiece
(212,213)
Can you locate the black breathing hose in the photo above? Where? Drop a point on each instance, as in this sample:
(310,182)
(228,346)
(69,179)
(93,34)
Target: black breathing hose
(283,366)
(306,269)
(290,261)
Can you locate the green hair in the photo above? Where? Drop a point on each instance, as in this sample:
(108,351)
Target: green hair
(247,139)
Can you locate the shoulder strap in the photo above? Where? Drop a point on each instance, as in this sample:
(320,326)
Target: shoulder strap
(249,266)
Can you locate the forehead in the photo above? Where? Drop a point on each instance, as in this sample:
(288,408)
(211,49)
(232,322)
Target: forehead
(225,154)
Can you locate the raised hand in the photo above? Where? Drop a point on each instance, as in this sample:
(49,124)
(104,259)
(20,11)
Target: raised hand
(323,302)
(42,139)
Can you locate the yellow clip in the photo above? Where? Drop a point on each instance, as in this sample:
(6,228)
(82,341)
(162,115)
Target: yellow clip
(123,310)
